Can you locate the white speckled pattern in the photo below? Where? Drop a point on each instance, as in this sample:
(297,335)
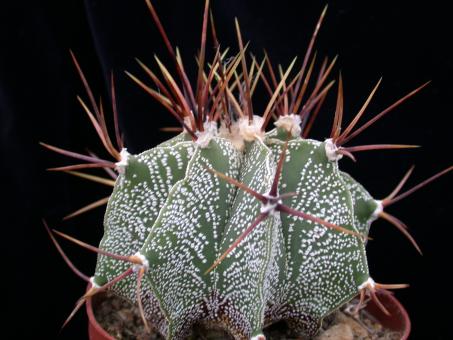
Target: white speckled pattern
(181,217)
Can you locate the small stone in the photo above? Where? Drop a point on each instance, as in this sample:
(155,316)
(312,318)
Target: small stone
(356,327)
(337,332)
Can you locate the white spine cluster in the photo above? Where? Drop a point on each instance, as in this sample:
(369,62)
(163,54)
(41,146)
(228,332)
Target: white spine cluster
(122,164)
(251,130)
(232,134)
(93,283)
(331,151)
(204,137)
(369,283)
(242,130)
(290,123)
(268,207)
(144,264)
(378,210)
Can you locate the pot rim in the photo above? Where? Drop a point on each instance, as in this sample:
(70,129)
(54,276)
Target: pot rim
(93,326)
(402,316)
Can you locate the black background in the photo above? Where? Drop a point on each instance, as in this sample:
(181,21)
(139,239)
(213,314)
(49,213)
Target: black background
(406,43)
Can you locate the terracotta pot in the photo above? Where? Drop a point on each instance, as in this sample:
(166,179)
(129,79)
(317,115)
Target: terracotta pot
(398,320)
(95,331)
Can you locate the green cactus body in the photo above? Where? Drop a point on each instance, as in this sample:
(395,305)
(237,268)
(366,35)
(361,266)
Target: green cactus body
(186,236)
(247,275)
(139,194)
(365,206)
(325,267)
(169,208)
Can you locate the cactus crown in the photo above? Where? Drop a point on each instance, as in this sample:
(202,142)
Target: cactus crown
(231,224)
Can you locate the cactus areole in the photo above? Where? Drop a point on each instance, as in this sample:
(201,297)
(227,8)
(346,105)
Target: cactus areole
(235,223)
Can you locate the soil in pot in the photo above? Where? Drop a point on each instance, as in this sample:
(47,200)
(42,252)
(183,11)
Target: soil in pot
(122,320)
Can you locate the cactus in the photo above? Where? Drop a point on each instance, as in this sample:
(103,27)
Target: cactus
(228,225)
